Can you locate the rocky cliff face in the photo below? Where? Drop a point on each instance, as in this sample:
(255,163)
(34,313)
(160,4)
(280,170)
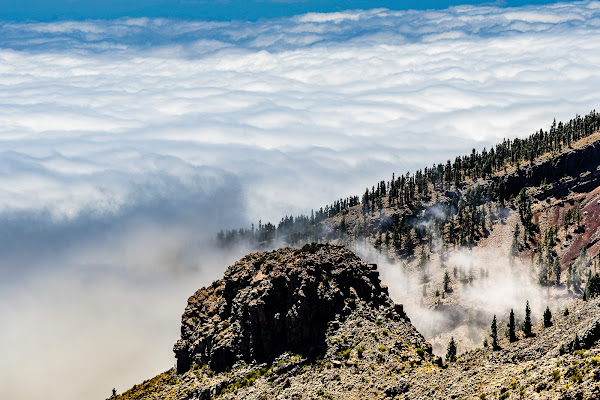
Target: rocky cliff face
(562,169)
(276,302)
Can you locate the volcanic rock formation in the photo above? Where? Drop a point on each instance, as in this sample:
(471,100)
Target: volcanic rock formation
(276,302)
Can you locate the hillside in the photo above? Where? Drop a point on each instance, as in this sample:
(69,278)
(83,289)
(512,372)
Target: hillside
(316,323)
(544,366)
(519,214)
(457,244)
(442,202)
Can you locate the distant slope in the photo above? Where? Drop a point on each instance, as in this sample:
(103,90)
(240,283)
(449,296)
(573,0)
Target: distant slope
(457,189)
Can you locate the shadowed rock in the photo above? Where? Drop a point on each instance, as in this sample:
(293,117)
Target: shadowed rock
(270,303)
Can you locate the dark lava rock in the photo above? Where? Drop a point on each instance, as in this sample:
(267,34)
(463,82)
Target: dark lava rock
(581,163)
(590,335)
(270,303)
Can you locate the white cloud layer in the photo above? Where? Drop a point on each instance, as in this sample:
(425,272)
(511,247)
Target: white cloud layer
(109,127)
(347,96)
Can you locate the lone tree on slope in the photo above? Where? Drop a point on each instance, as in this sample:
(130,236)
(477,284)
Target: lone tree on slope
(451,352)
(446,282)
(527,322)
(547,317)
(512,337)
(494,334)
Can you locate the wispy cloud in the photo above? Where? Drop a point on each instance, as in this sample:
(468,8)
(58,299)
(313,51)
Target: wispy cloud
(112,129)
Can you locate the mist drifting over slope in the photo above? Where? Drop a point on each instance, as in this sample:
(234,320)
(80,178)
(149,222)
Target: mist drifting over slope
(126,144)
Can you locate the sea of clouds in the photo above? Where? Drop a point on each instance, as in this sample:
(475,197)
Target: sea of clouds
(126,144)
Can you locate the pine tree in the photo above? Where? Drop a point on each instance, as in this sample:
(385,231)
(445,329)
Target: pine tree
(557,271)
(514,247)
(593,286)
(547,317)
(446,281)
(525,213)
(576,344)
(494,334)
(512,337)
(527,322)
(451,352)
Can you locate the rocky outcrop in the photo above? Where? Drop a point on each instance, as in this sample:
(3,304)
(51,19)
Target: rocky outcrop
(580,163)
(591,334)
(276,302)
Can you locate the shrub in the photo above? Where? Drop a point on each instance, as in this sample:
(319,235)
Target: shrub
(346,354)
(360,350)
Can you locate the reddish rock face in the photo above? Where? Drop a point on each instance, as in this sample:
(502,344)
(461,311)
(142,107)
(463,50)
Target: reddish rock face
(270,303)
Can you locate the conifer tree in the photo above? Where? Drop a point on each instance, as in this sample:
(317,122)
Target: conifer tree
(494,334)
(557,271)
(547,317)
(593,286)
(446,281)
(527,322)
(512,337)
(514,247)
(576,344)
(451,351)
(525,213)
(378,241)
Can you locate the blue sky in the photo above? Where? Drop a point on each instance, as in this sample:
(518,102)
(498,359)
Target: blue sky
(50,10)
